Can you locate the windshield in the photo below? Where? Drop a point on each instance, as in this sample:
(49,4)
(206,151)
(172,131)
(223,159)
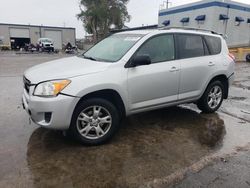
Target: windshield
(113,48)
(46,40)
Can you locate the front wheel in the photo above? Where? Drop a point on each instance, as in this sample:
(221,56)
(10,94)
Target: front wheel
(94,121)
(212,97)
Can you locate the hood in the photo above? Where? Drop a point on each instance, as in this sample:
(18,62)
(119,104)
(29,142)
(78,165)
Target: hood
(64,68)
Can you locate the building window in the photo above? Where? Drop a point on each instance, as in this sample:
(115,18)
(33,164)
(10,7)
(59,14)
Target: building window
(223,17)
(200,19)
(238,20)
(185,21)
(166,23)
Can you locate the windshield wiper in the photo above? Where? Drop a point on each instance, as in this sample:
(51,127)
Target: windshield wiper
(91,58)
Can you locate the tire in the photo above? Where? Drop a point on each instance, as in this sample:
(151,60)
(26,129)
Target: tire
(94,128)
(210,94)
(248,58)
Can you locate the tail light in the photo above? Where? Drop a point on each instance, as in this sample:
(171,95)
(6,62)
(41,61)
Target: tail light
(231,56)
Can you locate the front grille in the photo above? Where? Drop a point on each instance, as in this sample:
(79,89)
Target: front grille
(47,45)
(27,84)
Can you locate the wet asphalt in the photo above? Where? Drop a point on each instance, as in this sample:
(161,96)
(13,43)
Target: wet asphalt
(152,149)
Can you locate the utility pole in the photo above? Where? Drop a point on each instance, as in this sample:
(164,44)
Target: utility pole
(167,3)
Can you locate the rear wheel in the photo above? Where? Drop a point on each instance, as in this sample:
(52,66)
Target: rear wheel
(212,97)
(94,121)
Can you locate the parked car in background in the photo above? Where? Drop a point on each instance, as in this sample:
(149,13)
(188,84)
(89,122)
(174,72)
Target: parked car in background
(127,73)
(45,44)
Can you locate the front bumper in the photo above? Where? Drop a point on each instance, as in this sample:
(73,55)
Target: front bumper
(52,113)
(48,48)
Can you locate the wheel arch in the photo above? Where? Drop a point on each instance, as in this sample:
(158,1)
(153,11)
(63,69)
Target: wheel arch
(108,94)
(224,80)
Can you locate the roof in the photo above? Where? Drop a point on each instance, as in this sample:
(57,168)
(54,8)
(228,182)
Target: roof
(170,30)
(206,4)
(139,32)
(42,26)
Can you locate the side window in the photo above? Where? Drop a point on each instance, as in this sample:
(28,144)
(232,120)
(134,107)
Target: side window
(190,46)
(159,48)
(214,44)
(205,47)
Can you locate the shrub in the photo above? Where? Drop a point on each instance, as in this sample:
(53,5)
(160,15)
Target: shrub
(4,48)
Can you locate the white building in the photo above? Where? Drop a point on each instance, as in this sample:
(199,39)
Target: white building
(222,16)
(18,35)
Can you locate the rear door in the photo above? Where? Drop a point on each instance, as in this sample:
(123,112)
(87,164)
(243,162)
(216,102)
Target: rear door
(197,65)
(157,83)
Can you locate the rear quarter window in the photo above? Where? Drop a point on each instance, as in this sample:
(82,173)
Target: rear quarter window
(214,44)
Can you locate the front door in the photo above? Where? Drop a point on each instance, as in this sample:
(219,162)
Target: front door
(157,83)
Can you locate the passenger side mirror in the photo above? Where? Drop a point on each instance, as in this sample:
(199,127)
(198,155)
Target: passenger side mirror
(140,60)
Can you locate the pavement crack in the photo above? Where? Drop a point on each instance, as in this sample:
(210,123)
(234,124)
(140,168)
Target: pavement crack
(233,115)
(248,183)
(245,112)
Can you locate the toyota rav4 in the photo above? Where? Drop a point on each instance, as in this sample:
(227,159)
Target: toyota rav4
(127,73)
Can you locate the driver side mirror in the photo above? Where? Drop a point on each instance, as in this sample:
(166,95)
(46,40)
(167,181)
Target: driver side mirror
(140,60)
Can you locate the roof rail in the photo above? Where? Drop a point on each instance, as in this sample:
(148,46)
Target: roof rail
(134,29)
(166,28)
(189,28)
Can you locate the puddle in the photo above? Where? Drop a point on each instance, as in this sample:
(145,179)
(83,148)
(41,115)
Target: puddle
(149,145)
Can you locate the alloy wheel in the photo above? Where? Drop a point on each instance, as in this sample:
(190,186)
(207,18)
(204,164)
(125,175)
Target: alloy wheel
(214,97)
(94,122)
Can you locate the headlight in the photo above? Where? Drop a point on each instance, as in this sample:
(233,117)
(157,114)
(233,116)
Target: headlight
(50,88)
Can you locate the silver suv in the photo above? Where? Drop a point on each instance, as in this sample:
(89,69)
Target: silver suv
(127,73)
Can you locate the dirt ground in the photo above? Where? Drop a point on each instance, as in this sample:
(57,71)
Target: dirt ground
(176,147)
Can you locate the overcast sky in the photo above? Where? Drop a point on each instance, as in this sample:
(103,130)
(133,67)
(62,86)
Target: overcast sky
(63,12)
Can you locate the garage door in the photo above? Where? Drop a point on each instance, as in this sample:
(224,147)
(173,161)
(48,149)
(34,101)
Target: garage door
(19,33)
(56,36)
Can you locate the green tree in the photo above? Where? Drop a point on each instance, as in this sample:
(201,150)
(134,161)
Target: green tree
(98,16)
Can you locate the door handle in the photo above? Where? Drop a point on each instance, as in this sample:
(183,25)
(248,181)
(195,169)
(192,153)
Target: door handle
(210,64)
(173,69)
